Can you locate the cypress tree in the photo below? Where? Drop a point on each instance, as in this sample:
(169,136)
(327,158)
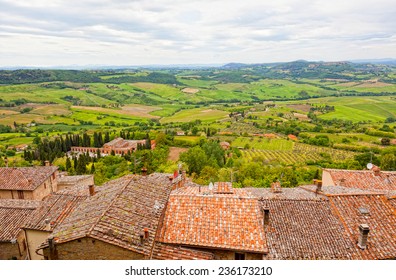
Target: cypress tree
(68,163)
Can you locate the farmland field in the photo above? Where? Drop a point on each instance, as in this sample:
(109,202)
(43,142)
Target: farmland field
(203,114)
(264,143)
(361,108)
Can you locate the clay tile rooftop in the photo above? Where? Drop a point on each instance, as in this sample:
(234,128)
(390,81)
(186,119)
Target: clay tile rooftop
(374,180)
(52,211)
(375,211)
(174,252)
(24,178)
(217,221)
(118,213)
(13,215)
(305,229)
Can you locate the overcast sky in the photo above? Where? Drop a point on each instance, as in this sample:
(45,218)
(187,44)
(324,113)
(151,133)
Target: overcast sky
(143,32)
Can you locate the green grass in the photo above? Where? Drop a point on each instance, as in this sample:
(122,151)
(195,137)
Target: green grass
(375,109)
(196,83)
(203,114)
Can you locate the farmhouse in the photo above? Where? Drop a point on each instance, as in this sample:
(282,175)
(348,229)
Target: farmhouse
(119,146)
(28,182)
(225,145)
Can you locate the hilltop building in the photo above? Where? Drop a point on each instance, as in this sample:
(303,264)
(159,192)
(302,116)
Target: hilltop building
(119,146)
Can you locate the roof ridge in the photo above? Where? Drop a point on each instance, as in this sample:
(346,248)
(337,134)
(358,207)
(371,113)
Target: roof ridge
(108,207)
(354,194)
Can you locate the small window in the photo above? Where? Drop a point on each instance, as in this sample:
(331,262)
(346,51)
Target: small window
(239,256)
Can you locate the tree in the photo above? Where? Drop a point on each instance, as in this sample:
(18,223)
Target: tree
(195,158)
(68,163)
(385,141)
(388,162)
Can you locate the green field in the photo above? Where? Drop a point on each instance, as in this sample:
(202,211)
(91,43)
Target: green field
(203,114)
(264,143)
(360,108)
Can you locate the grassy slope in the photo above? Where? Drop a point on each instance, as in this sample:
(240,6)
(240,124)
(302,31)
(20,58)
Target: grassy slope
(203,114)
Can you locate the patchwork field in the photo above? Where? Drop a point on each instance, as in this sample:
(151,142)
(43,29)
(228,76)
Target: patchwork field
(361,108)
(203,114)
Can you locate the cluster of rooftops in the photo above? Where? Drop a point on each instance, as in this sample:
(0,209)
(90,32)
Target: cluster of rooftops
(346,215)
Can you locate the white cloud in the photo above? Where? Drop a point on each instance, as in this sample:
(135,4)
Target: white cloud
(125,32)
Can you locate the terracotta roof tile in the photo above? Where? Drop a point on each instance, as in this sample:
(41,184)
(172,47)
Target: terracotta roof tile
(364,179)
(228,222)
(119,212)
(175,252)
(334,190)
(13,214)
(24,178)
(305,229)
(53,210)
(286,193)
(379,214)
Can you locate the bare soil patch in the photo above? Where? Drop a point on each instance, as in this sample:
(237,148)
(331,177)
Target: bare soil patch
(174,153)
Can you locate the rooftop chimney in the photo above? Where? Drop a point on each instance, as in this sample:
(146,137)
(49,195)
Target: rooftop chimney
(6,161)
(318,184)
(363,234)
(141,239)
(276,187)
(47,163)
(47,224)
(91,190)
(52,249)
(376,170)
(266,212)
(144,171)
(146,233)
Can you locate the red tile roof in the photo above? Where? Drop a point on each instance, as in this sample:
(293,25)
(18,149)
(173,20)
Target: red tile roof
(379,214)
(174,252)
(24,178)
(119,212)
(226,222)
(54,209)
(286,193)
(364,179)
(305,229)
(13,215)
(223,187)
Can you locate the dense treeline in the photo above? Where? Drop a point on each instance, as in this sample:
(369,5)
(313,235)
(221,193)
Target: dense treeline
(38,76)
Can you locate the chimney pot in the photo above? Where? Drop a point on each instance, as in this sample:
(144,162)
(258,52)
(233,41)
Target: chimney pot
(318,186)
(266,212)
(144,171)
(363,235)
(91,190)
(47,163)
(377,171)
(146,233)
